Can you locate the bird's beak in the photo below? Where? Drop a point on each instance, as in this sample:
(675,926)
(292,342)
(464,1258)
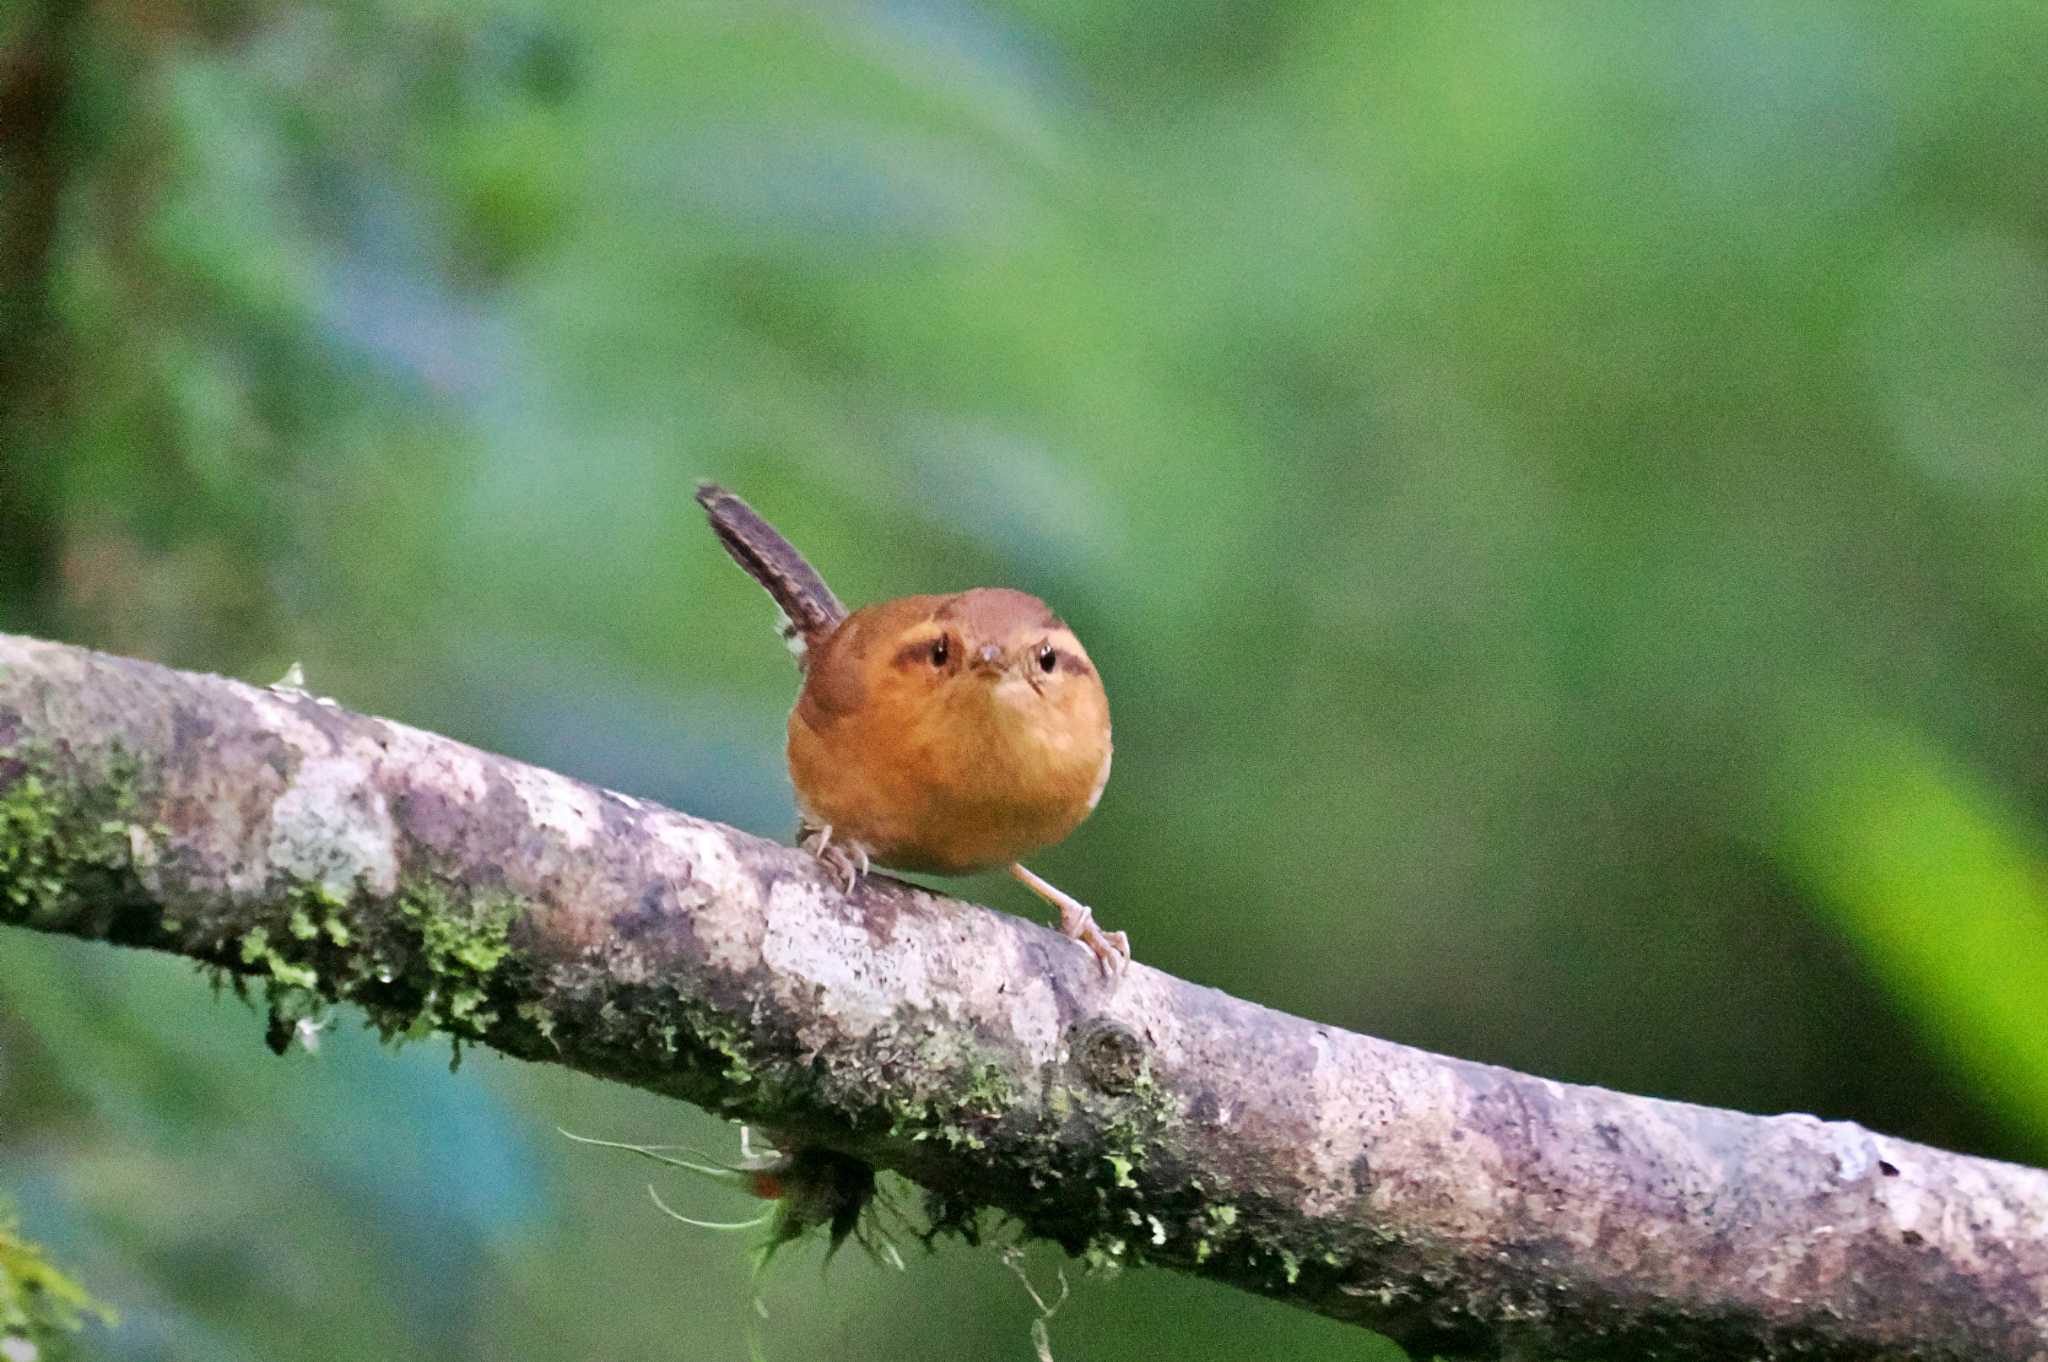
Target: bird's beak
(987,658)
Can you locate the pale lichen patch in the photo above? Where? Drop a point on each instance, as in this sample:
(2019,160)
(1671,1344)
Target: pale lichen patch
(1033,1018)
(860,984)
(1855,1149)
(333,827)
(558,803)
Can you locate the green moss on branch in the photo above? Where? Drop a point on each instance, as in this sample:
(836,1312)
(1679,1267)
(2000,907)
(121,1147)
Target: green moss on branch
(65,849)
(75,858)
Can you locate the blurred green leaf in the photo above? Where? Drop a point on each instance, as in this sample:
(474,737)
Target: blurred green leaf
(1942,885)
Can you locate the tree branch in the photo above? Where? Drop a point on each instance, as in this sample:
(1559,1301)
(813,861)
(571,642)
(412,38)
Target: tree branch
(1459,1208)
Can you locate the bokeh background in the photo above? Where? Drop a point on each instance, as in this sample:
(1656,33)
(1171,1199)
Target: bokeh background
(1559,495)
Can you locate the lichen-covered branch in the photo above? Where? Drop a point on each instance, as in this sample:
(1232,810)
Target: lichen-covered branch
(1460,1208)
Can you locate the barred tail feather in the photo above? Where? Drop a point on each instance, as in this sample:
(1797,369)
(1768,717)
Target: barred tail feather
(807,604)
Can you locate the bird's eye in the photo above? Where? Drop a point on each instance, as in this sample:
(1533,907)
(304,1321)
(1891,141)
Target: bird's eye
(1047,658)
(941,650)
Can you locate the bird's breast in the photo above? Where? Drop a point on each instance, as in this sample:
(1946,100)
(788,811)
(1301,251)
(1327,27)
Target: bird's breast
(955,782)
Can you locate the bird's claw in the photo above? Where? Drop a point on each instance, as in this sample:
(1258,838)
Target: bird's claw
(1077,920)
(846,861)
(1112,949)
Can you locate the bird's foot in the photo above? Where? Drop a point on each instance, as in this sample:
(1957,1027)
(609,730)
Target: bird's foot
(847,861)
(1077,920)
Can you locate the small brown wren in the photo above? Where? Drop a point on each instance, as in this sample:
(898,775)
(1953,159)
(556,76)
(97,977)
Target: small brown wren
(946,734)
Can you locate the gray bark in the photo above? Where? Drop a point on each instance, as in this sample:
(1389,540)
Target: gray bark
(1460,1208)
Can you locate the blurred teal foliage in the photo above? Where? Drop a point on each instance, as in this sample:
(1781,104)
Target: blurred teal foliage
(1559,495)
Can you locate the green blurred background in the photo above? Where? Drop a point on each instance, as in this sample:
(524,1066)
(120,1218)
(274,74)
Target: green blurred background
(1559,495)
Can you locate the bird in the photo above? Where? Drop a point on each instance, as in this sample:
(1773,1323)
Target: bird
(945,734)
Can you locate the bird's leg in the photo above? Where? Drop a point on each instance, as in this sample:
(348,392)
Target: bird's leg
(1077,919)
(847,860)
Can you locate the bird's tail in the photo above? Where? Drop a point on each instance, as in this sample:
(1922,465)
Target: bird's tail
(808,606)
